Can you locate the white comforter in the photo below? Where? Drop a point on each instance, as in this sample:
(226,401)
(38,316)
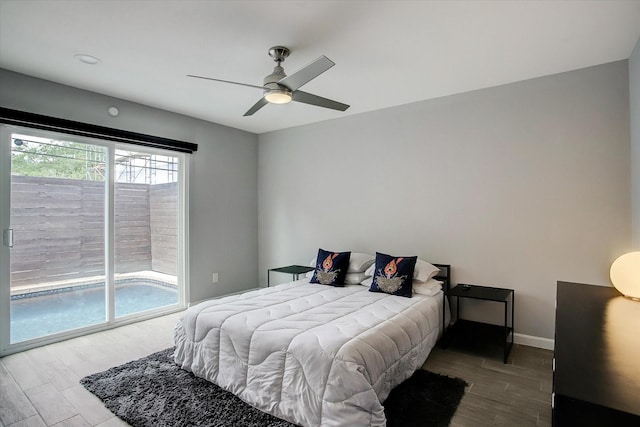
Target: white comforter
(311,354)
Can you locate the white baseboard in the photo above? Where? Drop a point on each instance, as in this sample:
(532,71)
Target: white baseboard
(532,341)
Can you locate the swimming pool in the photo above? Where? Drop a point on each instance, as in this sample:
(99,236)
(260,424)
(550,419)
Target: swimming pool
(48,312)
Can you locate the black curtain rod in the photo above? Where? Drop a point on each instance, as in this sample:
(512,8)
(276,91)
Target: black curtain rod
(38,121)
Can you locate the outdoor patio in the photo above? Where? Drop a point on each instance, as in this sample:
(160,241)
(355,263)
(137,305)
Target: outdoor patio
(58,227)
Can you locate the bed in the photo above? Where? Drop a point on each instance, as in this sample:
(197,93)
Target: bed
(311,354)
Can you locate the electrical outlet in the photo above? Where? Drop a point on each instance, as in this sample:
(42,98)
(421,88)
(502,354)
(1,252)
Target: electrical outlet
(214,278)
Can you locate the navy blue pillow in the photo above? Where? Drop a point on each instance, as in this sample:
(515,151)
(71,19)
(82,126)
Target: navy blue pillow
(331,268)
(394,275)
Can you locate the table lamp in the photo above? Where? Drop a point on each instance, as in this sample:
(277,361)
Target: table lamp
(625,275)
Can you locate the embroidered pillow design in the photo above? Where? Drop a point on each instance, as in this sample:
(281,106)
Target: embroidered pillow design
(331,268)
(393,275)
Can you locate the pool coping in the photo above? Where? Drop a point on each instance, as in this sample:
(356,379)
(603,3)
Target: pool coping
(85,281)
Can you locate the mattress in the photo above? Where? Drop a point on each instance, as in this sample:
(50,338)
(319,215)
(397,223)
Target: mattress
(311,354)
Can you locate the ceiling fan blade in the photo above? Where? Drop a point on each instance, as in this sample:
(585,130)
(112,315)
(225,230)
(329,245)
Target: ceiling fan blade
(307,73)
(225,81)
(258,105)
(308,98)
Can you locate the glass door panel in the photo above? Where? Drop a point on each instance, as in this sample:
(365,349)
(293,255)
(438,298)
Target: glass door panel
(57,209)
(146,231)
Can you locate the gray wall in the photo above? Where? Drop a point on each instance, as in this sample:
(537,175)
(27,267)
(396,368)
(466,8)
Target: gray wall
(518,186)
(223,192)
(634,112)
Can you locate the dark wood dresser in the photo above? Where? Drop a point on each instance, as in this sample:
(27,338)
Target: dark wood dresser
(596,374)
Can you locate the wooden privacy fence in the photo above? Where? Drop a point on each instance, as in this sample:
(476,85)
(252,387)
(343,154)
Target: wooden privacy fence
(59,229)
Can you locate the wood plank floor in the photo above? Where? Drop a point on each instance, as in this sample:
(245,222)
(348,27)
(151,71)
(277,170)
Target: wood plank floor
(40,387)
(514,394)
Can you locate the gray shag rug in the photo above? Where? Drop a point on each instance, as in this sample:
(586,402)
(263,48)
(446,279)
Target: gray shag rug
(155,392)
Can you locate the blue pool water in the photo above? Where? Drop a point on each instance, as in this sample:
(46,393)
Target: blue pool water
(56,311)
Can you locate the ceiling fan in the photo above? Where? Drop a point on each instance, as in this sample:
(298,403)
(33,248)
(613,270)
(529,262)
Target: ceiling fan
(278,88)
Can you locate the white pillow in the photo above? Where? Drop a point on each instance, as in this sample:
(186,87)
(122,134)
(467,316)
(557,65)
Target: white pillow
(422,273)
(371,270)
(359,262)
(430,288)
(354,278)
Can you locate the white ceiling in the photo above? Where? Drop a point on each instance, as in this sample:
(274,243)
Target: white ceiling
(387,53)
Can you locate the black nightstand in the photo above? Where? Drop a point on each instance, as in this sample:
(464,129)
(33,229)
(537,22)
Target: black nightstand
(295,270)
(478,336)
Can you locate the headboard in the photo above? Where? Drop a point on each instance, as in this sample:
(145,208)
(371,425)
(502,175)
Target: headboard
(445,277)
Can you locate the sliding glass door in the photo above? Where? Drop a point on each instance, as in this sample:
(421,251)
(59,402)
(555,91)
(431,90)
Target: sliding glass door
(93,234)
(146,224)
(57,273)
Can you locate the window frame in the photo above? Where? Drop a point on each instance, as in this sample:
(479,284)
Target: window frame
(182,243)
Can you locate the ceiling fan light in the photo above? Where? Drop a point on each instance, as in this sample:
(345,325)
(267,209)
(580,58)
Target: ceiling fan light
(278,96)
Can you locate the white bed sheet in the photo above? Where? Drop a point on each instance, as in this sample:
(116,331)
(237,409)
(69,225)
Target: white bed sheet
(311,354)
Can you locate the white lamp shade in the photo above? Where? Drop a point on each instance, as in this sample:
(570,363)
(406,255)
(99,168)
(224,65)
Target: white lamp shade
(278,97)
(625,274)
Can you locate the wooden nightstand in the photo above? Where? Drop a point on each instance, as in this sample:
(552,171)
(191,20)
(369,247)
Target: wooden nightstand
(478,336)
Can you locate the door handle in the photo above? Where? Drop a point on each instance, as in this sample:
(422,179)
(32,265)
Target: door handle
(7,237)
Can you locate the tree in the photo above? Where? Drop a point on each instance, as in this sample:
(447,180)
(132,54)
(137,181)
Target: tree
(57,159)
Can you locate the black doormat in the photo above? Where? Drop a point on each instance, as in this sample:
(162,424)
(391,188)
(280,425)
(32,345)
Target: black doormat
(155,392)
